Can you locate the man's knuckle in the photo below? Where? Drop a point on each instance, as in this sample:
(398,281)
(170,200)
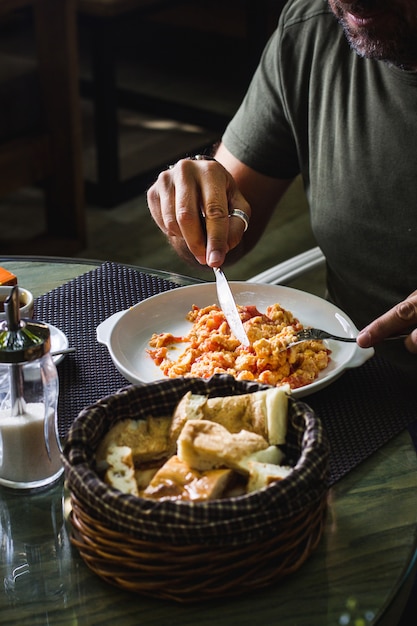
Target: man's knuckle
(184,216)
(215,211)
(407,310)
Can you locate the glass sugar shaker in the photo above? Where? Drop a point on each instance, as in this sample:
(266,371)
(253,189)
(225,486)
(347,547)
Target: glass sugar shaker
(30,452)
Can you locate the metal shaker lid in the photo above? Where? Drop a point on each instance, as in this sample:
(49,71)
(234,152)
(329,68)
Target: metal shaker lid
(21,340)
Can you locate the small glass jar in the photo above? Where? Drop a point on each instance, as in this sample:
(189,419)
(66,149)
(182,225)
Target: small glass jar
(30,452)
(35,552)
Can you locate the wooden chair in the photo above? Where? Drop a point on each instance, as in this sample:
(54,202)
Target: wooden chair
(102,19)
(49,155)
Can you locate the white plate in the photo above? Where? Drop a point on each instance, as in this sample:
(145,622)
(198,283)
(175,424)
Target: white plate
(127,333)
(59,341)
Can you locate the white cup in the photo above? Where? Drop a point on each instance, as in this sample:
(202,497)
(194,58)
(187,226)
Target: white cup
(25,298)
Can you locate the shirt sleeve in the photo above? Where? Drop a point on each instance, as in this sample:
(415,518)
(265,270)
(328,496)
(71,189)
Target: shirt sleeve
(260,132)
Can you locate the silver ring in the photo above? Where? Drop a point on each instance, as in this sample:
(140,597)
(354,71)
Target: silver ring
(202,157)
(241,215)
(197,157)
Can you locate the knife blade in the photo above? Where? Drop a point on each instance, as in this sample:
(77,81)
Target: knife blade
(229,308)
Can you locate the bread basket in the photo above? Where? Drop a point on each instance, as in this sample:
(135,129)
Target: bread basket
(188,551)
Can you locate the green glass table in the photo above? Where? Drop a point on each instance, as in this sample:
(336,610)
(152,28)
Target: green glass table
(360,574)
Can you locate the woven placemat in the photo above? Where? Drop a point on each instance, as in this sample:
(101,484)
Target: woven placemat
(361,411)
(77,308)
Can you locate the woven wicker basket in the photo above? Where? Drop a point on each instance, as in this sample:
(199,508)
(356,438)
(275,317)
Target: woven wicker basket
(190,551)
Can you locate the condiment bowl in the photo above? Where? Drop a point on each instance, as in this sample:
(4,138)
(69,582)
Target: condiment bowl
(26,300)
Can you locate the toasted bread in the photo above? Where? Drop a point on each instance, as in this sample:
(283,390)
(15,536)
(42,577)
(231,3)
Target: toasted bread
(175,480)
(263,474)
(148,439)
(205,445)
(195,454)
(262,412)
(271,455)
(190,407)
(121,471)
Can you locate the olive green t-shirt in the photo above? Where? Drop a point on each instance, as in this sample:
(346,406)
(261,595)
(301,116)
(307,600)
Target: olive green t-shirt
(349,126)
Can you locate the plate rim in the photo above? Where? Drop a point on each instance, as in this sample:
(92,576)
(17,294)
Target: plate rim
(65,343)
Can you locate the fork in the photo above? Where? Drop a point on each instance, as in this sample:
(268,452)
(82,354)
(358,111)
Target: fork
(311,334)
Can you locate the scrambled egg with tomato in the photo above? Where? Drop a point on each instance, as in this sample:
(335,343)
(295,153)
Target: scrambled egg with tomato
(212,348)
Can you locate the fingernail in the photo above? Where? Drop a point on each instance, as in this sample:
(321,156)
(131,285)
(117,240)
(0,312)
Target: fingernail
(215,258)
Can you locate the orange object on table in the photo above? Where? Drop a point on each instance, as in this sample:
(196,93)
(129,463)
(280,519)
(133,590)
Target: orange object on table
(7,278)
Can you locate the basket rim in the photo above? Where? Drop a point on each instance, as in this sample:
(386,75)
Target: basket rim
(245,518)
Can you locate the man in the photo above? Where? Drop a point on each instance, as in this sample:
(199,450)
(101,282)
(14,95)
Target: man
(335,99)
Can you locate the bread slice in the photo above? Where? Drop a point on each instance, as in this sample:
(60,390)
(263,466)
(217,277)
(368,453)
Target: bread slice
(121,470)
(236,413)
(262,412)
(190,407)
(175,480)
(263,474)
(271,455)
(205,445)
(144,476)
(276,410)
(148,439)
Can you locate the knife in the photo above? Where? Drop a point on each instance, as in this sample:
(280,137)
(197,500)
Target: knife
(229,308)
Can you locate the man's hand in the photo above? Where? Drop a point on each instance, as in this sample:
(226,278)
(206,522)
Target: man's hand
(400,319)
(191,202)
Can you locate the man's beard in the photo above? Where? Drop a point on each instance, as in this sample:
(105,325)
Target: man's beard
(397,46)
